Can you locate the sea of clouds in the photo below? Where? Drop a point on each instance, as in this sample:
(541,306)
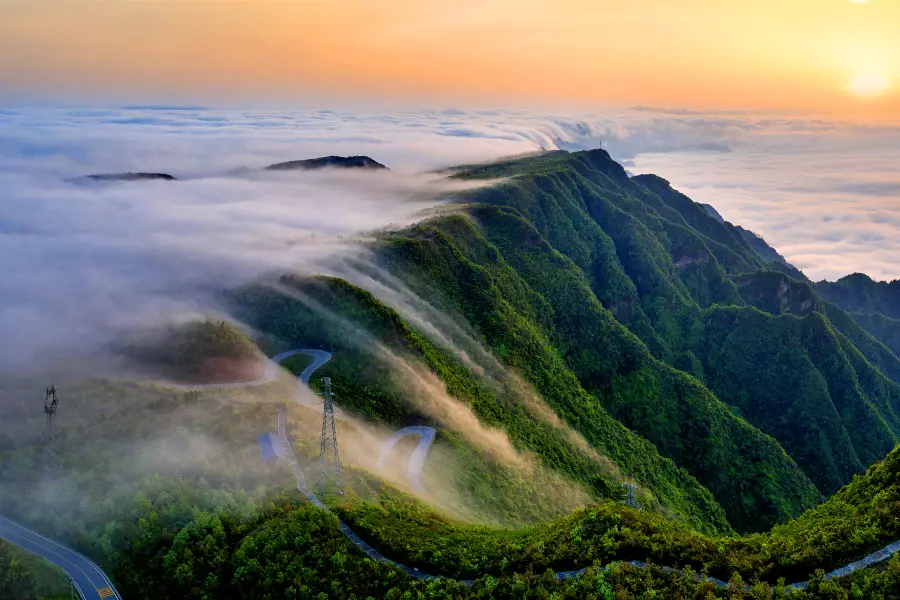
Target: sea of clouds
(825,194)
(78,259)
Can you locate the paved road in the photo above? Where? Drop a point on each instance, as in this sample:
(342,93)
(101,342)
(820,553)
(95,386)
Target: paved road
(320,357)
(90,582)
(417,458)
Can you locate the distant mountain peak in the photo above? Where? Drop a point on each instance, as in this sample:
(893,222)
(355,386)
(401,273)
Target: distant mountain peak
(125,177)
(857,277)
(343,162)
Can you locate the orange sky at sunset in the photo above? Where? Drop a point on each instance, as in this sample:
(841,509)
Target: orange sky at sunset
(747,54)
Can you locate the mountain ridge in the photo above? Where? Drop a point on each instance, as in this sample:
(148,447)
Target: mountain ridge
(622,248)
(343,162)
(129,176)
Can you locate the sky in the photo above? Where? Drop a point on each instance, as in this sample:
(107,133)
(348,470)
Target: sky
(840,57)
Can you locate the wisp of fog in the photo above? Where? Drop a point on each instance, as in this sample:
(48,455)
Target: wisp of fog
(82,262)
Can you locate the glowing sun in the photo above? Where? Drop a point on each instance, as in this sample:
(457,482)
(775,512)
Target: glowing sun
(868,84)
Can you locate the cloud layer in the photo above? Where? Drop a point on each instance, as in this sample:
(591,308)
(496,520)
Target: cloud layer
(81,259)
(825,195)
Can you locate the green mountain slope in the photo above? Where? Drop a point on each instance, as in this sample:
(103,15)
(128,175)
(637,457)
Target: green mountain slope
(656,261)
(553,267)
(858,293)
(712,260)
(366,385)
(806,373)
(884,329)
(683,420)
(624,303)
(861,517)
(795,378)
(875,306)
(777,293)
(28,577)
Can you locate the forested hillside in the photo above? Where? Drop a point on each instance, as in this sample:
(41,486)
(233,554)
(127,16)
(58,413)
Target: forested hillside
(28,577)
(625,303)
(859,293)
(874,305)
(606,327)
(885,329)
(687,283)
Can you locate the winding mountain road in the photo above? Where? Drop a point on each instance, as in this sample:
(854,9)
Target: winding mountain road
(92,583)
(417,459)
(89,580)
(414,473)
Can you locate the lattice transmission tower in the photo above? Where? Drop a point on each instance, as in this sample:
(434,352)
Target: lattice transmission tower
(49,438)
(329,459)
(629,498)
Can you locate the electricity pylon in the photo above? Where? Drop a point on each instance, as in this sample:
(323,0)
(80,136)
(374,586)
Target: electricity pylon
(329,460)
(49,441)
(629,498)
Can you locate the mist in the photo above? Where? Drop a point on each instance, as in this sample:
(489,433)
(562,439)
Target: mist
(451,332)
(427,395)
(83,263)
(827,206)
(88,264)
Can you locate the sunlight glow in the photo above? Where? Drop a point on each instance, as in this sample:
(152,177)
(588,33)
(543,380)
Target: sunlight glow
(772,54)
(868,83)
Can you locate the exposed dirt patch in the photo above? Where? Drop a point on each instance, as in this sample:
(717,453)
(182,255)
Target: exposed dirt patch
(223,369)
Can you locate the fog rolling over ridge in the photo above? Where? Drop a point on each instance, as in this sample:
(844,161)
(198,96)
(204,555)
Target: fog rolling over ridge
(451,332)
(827,201)
(82,262)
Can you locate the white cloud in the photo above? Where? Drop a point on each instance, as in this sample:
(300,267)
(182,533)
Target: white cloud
(825,195)
(80,260)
